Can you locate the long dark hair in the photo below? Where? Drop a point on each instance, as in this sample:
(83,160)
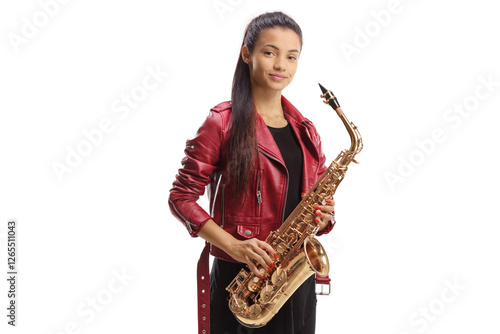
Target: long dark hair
(242,136)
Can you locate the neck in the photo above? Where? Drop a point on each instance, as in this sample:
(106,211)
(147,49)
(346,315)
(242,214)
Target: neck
(267,102)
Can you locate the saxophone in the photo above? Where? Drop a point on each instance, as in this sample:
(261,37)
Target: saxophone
(254,301)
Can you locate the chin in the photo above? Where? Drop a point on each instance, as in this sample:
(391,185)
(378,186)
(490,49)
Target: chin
(277,86)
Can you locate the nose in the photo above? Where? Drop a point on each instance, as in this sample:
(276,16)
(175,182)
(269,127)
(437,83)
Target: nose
(278,64)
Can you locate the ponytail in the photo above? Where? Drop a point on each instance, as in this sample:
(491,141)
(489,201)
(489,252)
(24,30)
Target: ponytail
(242,134)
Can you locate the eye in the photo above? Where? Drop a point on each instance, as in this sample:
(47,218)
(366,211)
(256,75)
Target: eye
(269,53)
(293,58)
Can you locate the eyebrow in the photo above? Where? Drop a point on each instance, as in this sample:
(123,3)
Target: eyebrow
(275,47)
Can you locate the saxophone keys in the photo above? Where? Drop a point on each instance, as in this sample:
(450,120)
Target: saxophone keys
(307,217)
(266,294)
(254,284)
(279,277)
(236,305)
(299,226)
(291,238)
(281,248)
(254,311)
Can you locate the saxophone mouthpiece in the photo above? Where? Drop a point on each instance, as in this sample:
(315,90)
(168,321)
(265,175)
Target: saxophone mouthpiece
(329,98)
(323,89)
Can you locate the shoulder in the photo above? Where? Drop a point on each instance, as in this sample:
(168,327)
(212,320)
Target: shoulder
(221,107)
(216,123)
(222,111)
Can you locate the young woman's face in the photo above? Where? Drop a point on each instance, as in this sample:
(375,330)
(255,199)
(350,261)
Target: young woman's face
(274,60)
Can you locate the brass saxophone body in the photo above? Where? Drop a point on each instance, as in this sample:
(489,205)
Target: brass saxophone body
(255,301)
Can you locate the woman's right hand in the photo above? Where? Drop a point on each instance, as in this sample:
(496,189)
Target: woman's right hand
(255,253)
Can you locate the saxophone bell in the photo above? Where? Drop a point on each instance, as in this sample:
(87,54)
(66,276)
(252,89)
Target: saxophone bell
(316,256)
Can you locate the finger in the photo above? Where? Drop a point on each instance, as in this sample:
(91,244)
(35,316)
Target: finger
(269,251)
(326,208)
(328,201)
(324,214)
(262,257)
(253,268)
(326,217)
(259,262)
(322,224)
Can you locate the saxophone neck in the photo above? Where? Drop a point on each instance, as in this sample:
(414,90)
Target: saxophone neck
(356,141)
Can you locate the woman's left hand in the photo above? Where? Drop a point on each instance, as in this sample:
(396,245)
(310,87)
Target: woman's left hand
(324,213)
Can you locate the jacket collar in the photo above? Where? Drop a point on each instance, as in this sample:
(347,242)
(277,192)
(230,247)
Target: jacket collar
(299,125)
(292,114)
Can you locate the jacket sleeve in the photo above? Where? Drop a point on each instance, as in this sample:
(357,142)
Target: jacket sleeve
(321,170)
(202,154)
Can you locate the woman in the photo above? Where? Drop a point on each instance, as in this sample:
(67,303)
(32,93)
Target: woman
(257,154)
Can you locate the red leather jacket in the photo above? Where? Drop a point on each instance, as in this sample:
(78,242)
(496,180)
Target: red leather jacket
(261,210)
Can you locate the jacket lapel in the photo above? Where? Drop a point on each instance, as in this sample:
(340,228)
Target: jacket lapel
(299,125)
(309,150)
(265,141)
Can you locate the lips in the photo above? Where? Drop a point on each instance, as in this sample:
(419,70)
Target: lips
(277,77)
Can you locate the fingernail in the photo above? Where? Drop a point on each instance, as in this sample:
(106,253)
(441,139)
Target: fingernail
(328,200)
(269,268)
(261,277)
(317,207)
(317,220)
(303,194)
(275,256)
(318,213)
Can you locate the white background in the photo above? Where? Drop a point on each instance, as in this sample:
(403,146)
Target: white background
(395,249)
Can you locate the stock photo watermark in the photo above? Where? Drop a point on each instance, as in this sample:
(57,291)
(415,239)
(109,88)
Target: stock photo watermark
(453,117)
(12,274)
(427,314)
(34,23)
(331,243)
(94,137)
(222,7)
(88,310)
(363,36)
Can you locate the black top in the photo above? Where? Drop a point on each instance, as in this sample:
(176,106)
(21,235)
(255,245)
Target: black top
(292,155)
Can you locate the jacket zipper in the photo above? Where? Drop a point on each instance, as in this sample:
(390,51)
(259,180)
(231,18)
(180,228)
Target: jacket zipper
(186,222)
(259,194)
(286,191)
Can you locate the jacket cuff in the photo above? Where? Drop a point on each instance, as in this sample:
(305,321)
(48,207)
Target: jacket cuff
(194,231)
(195,216)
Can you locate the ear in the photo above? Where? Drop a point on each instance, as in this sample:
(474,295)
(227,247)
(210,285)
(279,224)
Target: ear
(245,54)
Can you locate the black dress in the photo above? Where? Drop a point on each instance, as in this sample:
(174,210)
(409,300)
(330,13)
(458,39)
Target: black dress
(298,314)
